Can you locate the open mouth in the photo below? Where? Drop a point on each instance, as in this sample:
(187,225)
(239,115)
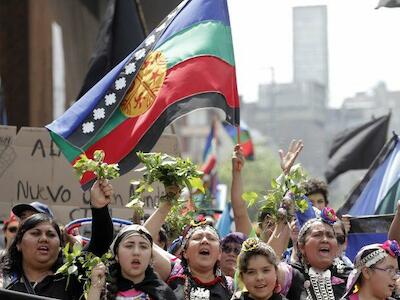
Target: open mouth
(205,252)
(43,249)
(135,262)
(324,250)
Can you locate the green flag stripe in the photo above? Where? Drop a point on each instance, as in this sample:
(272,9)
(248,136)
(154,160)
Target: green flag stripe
(208,38)
(69,151)
(389,202)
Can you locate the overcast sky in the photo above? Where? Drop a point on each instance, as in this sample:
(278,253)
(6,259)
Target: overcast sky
(364,44)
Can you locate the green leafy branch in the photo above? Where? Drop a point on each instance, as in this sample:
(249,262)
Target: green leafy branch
(179,216)
(80,264)
(285,197)
(170,171)
(96,165)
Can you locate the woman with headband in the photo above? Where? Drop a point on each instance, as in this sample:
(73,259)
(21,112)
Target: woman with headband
(131,272)
(198,275)
(258,270)
(375,272)
(318,275)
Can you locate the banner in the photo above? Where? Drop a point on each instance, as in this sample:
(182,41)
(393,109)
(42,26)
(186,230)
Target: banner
(32,168)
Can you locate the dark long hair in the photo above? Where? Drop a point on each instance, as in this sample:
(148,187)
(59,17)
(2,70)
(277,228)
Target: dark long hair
(12,261)
(185,264)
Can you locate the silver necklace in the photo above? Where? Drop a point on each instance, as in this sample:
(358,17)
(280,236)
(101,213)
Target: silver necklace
(321,285)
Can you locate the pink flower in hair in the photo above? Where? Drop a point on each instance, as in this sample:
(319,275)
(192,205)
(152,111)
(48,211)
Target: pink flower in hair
(392,247)
(328,215)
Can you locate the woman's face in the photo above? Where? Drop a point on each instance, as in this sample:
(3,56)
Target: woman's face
(40,246)
(203,250)
(382,277)
(229,254)
(134,255)
(11,232)
(320,246)
(341,238)
(260,277)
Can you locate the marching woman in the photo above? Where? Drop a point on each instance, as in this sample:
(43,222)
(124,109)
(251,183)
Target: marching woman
(35,255)
(131,272)
(375,272)
(258,270)
(197,275)
(318,274)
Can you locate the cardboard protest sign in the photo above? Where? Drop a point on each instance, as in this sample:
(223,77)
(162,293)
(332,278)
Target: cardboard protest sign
(33,169)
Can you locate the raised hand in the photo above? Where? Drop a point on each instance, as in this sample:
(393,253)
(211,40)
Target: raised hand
(98,279)
(288,159)
(237,158)
(172,192)
(100,193)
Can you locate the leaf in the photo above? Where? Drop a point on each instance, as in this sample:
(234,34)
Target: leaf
(62,269)
(274,183)
(76,249)
(72,269)
(250,198)
(98,155)
(135,202)
(197,183)
(141,188)
(142,169)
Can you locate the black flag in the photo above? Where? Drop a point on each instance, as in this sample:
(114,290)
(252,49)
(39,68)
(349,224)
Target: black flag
(121,32)
(388,3)
(356,148)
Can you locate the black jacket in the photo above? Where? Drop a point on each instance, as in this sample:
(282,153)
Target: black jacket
(56,285)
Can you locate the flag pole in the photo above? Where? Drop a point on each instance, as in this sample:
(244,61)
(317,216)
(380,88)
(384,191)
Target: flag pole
(238,141)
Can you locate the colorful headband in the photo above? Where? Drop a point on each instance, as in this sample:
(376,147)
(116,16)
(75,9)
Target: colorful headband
(128,231)
(199,223)
(250,244)
(372,258)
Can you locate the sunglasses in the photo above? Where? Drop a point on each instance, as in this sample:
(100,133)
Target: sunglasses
(12,229)
(341,239)
(228,249)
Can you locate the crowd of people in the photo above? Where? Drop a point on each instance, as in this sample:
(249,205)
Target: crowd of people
(281,259)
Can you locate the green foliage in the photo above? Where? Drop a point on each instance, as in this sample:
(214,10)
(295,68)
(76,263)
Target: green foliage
(179,216)
(250,197)
(97,165)
(285,196)
(170,171)
(80,264)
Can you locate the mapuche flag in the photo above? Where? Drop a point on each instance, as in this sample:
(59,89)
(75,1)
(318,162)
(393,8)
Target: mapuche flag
(186,63)
(245,139)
